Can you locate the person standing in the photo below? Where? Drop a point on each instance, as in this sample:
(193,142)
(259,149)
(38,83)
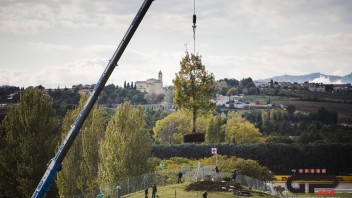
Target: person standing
(217,174)
(179,177)
(154,190)
(146,193)
(234,175)
(205,194)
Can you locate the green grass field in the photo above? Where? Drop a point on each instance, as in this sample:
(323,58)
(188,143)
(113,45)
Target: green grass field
(178,189)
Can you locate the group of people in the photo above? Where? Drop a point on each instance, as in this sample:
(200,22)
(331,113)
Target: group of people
(154,190)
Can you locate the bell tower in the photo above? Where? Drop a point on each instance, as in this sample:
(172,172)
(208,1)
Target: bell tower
(160,76)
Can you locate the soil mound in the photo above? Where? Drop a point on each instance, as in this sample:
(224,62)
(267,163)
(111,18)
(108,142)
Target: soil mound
(213,186)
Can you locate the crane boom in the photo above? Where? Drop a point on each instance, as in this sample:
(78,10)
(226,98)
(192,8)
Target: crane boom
(55,164)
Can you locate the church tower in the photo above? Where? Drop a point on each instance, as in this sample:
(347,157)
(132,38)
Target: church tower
(160,76)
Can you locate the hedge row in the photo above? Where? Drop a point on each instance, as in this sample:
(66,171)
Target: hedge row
(279,158)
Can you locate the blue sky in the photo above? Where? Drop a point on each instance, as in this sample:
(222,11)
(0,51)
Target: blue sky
(62,43)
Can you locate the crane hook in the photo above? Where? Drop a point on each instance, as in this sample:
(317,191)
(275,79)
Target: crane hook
(194,25)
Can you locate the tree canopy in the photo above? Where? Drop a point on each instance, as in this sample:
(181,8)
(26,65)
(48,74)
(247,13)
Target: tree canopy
(27,132)
(80,166)
(241,131)
(194,87)
(125,149)
(171,129)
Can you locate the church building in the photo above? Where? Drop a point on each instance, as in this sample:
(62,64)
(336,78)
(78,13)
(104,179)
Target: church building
(152,85)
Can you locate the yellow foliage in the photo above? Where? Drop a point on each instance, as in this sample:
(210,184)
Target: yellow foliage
(225,163)
(240,131)
(179,123)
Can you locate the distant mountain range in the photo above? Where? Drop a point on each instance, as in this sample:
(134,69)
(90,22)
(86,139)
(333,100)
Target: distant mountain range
(313,77)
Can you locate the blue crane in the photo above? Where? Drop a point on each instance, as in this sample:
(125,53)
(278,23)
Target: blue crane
(55,164)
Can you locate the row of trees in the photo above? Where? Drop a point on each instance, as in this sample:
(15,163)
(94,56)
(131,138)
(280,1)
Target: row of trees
(67,99)
(5,91)
(64,100)
(106,150)
(231,128)
(234,87)
(271,125)
(112,94)
(320,126)
(129,86)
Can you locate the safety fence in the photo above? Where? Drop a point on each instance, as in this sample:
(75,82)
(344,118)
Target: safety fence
(190,174)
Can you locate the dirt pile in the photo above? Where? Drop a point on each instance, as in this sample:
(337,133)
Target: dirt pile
(213,186)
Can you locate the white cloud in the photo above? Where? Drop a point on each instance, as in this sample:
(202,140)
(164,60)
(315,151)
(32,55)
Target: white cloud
(29,17)
(95,15)
(304,54)
(24,19)
(49,46)
(109,14)
(77,72)
(314,53)
(325,80)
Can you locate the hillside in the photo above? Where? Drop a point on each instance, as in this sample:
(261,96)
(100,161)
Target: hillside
(313,77)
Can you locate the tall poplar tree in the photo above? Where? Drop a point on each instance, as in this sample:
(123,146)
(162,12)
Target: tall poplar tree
(28,132)
(92,134)
(68,178)
(80,166)
(213,134)
(125,149)
(194,87)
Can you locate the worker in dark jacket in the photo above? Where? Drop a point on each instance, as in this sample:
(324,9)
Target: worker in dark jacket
(154,190)
(179,177)
(234,175)
(146,193)
(205,194)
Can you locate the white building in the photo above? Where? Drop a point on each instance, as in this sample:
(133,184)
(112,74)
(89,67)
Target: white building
(260,84)
(221,100)
(316,87)
(342,87)
(152,85)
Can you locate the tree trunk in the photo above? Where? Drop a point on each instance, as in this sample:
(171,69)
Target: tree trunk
(194,120)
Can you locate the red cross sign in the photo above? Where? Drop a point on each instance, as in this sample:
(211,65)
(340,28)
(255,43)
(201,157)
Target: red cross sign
(214,151)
